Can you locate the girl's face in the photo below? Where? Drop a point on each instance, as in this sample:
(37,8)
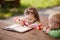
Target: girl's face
(30,18)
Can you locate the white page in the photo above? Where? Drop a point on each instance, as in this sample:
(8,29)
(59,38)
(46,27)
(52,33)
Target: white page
(18,28)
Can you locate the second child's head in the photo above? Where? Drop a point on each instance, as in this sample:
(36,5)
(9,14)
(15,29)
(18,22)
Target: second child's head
(54,21)
(31,14)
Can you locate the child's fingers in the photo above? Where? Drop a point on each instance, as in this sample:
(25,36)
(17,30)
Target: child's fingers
(16,19)
(44,29)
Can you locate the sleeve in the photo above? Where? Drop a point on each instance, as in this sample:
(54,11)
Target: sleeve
(54,33)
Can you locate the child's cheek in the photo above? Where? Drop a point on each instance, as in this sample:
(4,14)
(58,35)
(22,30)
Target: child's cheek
(31,21)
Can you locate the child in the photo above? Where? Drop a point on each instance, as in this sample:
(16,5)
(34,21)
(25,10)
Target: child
(54,25)
(31,18)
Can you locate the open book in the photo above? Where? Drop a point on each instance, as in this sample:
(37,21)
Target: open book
(17,28)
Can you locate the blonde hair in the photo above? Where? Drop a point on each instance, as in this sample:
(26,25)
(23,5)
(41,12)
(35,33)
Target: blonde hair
(54,20)
(33,11)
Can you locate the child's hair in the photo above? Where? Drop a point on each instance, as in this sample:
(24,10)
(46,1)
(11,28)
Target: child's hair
(33,11)
(54,20)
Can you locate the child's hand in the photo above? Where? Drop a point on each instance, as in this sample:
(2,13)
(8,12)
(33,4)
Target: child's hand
(46,29)
(19,21)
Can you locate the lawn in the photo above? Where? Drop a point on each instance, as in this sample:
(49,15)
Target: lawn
(40,3)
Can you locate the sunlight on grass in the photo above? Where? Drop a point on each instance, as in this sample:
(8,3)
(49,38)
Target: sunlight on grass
(40,3)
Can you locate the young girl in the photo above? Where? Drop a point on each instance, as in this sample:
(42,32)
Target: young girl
(31,18)
(54,25)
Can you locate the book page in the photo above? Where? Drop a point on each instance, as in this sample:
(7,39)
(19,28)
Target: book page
(18,28)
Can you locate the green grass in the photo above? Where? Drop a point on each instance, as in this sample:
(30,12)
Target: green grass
(40,3)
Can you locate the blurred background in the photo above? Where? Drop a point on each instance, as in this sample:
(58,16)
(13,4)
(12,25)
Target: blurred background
(9,8)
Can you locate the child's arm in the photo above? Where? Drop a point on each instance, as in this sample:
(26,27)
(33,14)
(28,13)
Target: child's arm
(36,25)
